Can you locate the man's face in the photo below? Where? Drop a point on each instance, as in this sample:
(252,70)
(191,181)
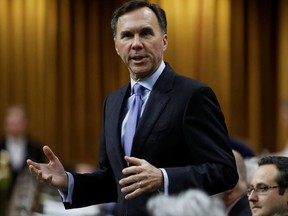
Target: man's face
(15,123)
(139,42)
(266,203)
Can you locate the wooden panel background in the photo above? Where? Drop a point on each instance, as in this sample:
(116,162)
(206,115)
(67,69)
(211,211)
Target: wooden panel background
(58,59)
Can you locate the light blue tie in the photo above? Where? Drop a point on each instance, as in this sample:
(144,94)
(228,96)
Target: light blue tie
(133,117)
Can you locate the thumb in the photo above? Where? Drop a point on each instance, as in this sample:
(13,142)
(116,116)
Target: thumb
(133,160)
(49,154)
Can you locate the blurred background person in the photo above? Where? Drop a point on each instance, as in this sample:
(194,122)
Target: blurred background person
(284,123)
(17,144)
(235,200)
(241,147)
(193,202)
(267,192)
(251,165)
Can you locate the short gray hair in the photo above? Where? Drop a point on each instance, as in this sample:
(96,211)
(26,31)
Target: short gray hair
(193,202)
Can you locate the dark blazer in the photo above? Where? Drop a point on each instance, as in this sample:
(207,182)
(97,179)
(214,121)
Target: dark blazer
(182,130)
(33,152)
(241,208)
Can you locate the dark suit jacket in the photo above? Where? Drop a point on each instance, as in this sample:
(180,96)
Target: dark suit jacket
(241,208)
(33,152)
(182,129)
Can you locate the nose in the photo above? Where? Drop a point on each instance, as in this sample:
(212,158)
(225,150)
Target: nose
(253,196)
(137,43)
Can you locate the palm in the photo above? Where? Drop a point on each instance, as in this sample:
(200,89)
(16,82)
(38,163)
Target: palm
(52,172)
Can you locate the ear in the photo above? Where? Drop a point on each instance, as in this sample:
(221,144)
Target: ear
(165,41)
(286,197)
(115,44)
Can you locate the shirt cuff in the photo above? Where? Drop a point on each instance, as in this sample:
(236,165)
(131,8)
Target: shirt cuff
(166,181)
(67,197)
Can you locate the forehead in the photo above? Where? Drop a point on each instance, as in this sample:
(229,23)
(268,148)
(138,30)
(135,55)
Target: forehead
(265,174)
(137,19)
(15,113)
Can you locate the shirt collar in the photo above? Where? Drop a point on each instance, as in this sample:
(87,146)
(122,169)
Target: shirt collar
(149,82)
(11,139)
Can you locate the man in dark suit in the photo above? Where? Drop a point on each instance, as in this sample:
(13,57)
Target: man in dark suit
(181,140)
(17,143)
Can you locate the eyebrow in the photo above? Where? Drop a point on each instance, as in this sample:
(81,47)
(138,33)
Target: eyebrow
(260,184)
(123,33)
(144,29)
(148,29)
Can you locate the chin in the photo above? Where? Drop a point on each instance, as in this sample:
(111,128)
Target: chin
(257,212)
(140,74)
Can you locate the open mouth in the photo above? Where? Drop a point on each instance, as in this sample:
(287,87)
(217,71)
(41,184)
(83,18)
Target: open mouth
(138,59)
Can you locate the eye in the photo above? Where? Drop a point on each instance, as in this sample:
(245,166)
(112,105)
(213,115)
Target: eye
(263,188)
(126,35)
(260,189)
(146,32)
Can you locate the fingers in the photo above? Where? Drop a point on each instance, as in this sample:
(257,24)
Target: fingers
(140,178)
(49,154)
(134,184)
(133,160)
(135,165)
(133,190)
(35,170)
(30,162)
(33,166)
(132,170)
(130,180)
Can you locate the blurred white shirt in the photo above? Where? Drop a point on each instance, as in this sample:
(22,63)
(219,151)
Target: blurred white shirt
(17,152)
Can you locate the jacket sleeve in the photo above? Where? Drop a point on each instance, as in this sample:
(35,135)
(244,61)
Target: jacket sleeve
(206,137)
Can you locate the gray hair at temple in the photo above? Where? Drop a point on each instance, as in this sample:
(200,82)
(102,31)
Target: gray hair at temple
(193,202)
(136,4)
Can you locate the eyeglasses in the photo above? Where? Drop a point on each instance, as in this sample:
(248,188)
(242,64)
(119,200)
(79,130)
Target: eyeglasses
(260,189)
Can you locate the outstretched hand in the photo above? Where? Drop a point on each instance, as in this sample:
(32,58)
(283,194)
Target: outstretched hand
(141,177)
(51,173)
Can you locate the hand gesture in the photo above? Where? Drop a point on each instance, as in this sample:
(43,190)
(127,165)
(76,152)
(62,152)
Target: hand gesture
(141,177)
(52,173)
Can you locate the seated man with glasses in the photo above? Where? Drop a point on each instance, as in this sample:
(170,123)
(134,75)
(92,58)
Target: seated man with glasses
(267,192)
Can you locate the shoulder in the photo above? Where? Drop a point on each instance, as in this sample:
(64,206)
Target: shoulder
(182,81)
(189,83)
(192,88)
(120,91)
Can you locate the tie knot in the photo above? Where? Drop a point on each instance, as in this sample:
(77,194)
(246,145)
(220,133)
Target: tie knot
(137,89)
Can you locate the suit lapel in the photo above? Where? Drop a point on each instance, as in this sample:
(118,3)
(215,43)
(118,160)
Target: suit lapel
(157,101)
(115,123)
